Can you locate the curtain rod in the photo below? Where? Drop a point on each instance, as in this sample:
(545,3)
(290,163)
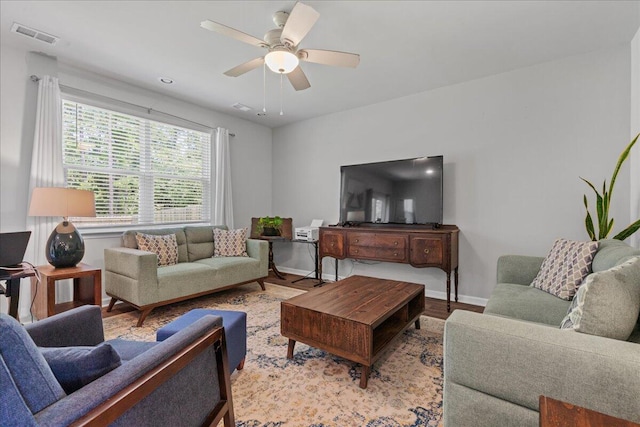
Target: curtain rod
(36,79)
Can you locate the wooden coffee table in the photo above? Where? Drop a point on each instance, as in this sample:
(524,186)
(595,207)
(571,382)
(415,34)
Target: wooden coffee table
(355,318)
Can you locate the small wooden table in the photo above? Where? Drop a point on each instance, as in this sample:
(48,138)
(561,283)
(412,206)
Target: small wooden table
(87,288)
(555,413)
(12,291)
(355,318)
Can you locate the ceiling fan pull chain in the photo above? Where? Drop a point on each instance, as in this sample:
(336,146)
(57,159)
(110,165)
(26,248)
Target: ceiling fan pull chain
(281,78)
(264,88)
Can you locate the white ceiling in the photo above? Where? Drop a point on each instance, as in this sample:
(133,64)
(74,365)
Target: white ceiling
(405,46)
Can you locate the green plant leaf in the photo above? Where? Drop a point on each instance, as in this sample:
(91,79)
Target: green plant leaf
(590,185)
(588,222)
(589,225)
(621,160)
(600,213)
(628,231)
(603,203)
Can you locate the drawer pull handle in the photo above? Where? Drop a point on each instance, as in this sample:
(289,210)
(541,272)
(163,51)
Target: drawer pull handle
(395,254)
(426,251)
(357,240)
(333,244)
(356,251)
(395,243)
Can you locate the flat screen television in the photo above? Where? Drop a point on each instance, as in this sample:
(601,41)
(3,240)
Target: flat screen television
(395,192)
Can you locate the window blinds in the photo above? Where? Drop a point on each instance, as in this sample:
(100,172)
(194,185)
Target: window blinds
(142,171)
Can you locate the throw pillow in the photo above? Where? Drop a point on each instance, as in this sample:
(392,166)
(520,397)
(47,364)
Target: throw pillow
(165,246)
(608,303)
(75,367)
(565,267)
(230,242)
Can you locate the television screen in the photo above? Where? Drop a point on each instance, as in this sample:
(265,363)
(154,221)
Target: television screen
(395,192)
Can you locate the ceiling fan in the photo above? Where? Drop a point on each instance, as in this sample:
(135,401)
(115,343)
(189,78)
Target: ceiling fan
(284,54)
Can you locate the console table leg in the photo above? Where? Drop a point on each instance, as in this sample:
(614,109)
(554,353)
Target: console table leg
(448,291)
(364,377)
(292,344)
(455,278)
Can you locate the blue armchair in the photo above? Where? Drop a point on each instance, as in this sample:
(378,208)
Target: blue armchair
(182,381)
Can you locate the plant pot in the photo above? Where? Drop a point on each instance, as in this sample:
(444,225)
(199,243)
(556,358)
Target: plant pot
(270,231)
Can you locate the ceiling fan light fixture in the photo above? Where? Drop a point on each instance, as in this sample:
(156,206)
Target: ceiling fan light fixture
(281,61)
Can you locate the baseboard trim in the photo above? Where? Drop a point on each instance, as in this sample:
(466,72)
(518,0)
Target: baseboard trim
(429,293)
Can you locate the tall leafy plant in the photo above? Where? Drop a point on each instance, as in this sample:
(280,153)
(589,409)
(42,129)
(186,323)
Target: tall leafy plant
(603,201)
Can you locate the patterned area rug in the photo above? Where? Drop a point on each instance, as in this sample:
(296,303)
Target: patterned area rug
(315,389)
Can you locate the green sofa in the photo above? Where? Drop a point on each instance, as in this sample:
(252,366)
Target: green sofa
(497,364)
(133,276)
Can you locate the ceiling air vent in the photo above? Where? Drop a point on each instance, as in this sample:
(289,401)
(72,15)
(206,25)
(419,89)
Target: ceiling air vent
(34,34)
(241,107)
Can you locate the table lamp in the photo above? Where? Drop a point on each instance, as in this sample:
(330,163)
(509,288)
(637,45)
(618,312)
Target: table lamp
(65,246)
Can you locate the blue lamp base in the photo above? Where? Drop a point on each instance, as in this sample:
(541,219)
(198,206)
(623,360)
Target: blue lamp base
(65,247)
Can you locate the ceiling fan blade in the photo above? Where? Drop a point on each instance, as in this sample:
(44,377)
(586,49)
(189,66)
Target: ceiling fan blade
(329,57)
(300,21)
(246,67)
(232,32)
(298,79)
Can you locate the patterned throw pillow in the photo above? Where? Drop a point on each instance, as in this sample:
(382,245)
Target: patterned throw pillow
(165,246)
(230,242)
(608,302)
(565,267)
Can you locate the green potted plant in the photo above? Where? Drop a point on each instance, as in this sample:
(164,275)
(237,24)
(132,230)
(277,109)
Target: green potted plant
(270,226)
(603,201)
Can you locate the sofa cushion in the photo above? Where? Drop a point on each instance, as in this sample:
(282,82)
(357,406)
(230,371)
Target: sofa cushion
(612,252)
(230,242)
(27,367)
(129,239)
(565,267)
(75,367)
(200,241)
(608,302)
(165,247)
(526,303)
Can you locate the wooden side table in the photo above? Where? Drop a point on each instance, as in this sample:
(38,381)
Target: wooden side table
(555,413)
(87,288)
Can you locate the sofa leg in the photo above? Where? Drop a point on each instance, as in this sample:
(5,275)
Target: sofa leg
(112,303)
(261,283)
(143,315)
(240,365)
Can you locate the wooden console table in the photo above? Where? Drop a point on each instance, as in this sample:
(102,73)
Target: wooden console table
(555,413)
(418,246)
(87,288)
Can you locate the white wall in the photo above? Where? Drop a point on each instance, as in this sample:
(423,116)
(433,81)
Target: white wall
(635,129)
(251,174)
(514,145)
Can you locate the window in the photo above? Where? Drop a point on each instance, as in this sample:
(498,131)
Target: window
(141,171)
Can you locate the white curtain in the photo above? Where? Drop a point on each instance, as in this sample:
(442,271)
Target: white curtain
(46,161)
(222,200)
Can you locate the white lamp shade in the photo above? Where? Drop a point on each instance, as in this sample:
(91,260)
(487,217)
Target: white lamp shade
(281,61)
(64,202)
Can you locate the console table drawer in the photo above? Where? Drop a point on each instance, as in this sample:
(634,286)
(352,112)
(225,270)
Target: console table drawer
(361,251)
(391,254)
(332,243)
(377,240)
(427,250)
(361,239)
(392,241)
